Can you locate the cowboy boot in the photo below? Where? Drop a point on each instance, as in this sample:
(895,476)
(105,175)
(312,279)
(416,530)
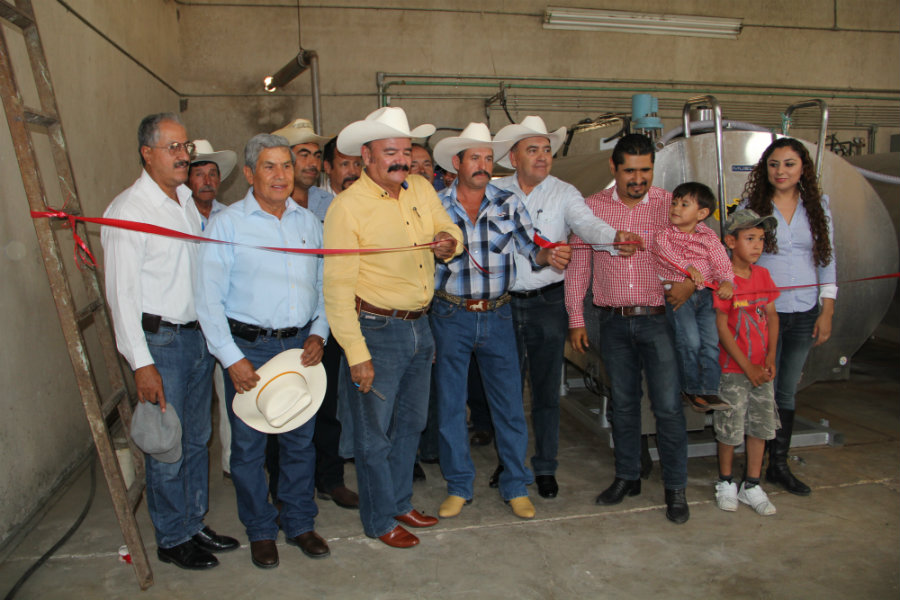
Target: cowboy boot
(778,471)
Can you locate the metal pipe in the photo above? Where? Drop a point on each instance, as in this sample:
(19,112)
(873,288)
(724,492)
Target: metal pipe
(823,127)
(312,58)
(736,125)
(720,154)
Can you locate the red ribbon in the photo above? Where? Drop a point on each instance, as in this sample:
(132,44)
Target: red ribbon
(544,243)
(83,254)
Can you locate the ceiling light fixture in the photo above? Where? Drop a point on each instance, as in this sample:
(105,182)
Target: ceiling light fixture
(617,21)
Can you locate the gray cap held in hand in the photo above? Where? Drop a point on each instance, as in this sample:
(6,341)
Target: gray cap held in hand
(157,433)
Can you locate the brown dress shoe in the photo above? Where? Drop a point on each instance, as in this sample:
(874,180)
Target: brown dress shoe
(311,543)
(416,519)
(264,554)
(399,538)
(342,496)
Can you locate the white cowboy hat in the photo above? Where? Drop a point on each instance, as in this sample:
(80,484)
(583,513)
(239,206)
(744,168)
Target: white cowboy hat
(224,159)
(286,396)
(475,135)
(386,122)
(300,131)
(530,126)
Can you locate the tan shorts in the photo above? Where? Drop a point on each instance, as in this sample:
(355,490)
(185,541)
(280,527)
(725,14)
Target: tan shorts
(752,410)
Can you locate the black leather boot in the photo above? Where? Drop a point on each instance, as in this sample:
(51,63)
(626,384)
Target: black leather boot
(778,471)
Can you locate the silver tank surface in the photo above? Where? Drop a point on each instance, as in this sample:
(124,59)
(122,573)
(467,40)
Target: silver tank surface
(865,240)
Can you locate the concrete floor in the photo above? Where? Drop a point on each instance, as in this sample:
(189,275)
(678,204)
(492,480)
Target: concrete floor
(842,542)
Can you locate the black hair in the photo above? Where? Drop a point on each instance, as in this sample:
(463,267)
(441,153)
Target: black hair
(634,144)
(701,194)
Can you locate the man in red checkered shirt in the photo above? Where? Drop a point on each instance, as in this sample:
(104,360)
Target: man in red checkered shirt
(628,300)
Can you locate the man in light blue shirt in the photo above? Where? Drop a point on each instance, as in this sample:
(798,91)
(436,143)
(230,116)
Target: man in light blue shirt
(308,151)
(538,297)
(254,304)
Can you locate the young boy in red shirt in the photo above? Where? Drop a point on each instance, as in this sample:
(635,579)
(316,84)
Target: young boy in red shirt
(748,338)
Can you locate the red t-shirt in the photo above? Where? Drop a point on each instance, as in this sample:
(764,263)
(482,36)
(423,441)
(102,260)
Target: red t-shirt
(747,317)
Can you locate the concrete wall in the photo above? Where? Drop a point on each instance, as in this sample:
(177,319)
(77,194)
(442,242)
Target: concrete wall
(102,95)
(113,61)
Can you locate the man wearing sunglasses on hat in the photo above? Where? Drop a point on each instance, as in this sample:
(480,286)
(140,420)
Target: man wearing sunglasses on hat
(151,299)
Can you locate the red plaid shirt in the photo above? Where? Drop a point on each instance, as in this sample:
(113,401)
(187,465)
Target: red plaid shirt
(701,250)
(618,281)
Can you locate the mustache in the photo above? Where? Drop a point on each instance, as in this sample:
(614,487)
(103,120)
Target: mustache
(181,163)
(477,173)
(207,188)
(398,167)
(348,180)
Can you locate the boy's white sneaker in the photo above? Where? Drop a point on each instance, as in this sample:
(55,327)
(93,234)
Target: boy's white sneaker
(757,499)
(726,495)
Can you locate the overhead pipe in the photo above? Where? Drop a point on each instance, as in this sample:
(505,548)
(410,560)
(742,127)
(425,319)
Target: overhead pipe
(720,151)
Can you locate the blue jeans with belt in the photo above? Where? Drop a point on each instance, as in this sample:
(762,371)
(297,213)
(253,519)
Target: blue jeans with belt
(794,342)
(490,335)
(697,343)
(386,430)
(541,324)
(178,493)
(629,345)
(296,459)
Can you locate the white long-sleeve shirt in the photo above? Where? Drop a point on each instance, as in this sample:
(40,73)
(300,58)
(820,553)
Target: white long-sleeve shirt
(556,209)
(148,273)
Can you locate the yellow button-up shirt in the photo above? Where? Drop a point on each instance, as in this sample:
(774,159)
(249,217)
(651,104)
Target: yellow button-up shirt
(366,216)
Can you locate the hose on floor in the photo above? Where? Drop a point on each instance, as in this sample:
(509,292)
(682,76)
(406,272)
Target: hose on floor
(87,507)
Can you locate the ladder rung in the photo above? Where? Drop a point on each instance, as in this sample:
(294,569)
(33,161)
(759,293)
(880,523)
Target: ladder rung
(36,118)
(14,15)
(88,310)
(112,401)
(134,493)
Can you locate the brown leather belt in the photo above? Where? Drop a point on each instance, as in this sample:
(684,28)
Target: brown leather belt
(634,311)
(473,305)
(406,315)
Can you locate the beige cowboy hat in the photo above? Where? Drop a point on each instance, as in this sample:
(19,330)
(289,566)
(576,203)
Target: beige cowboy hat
(386,122)
(224,159)
(530,126)
(286,396)
(475,135)
(300,131)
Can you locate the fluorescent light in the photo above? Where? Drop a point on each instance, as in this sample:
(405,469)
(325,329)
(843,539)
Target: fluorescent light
(619,21)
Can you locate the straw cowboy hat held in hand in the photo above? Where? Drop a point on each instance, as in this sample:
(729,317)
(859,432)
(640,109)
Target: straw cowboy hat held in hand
(224,159)
(475,135)
(286,396)
(530,126)
(384,123)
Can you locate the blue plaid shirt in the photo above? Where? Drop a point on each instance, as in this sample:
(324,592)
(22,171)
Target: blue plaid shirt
(503,228)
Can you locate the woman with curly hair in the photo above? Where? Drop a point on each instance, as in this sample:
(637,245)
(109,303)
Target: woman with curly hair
(784,184)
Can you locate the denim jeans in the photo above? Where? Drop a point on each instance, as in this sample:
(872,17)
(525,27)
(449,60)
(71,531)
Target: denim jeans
(697,343)
(428,441)
(296,459)
(178,493)
(329,463)
(479,411)
(456,333)
(794,342)
(541,324)
(628,345)
(386,431)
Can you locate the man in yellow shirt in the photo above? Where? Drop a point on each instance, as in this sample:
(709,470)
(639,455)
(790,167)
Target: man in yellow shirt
(375,303)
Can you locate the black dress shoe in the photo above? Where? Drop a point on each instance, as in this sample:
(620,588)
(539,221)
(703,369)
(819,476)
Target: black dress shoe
(187,555)
(264,554)
(482,438)
(311,543)
(677,509)
(547,486)
(210,541)
(618,490)
(342,496)
(418,472)
(494,481)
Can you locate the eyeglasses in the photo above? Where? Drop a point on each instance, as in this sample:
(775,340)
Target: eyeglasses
(176,147)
